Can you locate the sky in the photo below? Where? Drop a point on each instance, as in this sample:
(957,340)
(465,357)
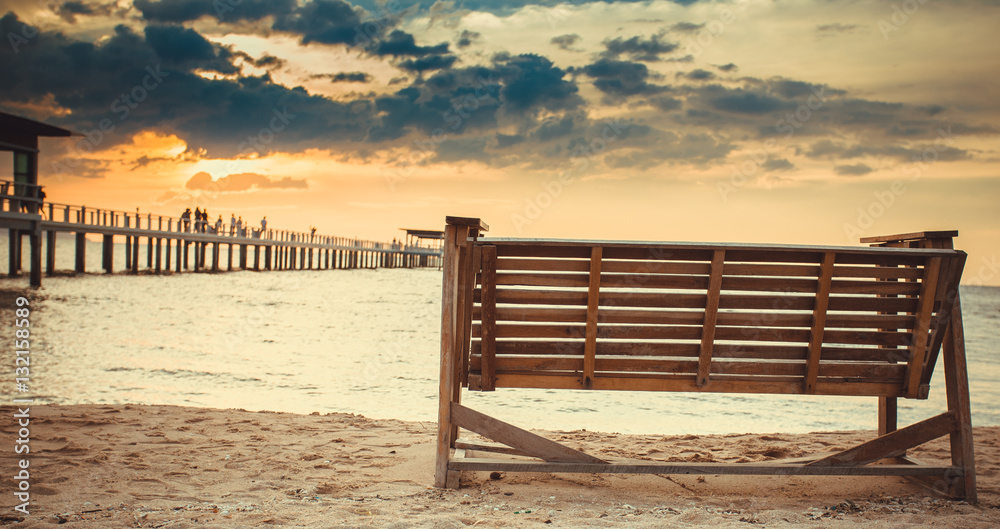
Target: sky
(798,121)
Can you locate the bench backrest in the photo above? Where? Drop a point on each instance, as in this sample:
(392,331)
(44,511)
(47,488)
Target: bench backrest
(702,317)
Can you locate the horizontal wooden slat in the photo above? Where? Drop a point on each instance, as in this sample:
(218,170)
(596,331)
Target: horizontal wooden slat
(662,253)
(749,319)
(690,301)
(877,272)
(669,250)
(539,250)
(540,297)
(768,284)
(553,265)
(908,257)
(678,349)
(738,269)
(655,267)
(543,279)
(698,268)
(889,372)
(720,384)
(693,332)
(866,304)
(654,281)
(846,286)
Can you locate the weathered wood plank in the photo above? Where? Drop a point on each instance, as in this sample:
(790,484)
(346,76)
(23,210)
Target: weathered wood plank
(675,317)
(745,350)
(482,446)
(925,309)
(593,301)
(449,306)
(892,444)
(488,326)
(957,384)
(771,468)
(549,265)
(819,322)
(520,439)
(877,272)
(889,373)
(720,384)
(711,312)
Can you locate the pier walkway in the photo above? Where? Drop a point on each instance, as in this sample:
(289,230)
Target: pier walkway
(174,244)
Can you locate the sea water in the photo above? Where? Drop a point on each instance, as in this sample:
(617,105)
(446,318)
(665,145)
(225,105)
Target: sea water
(368,342)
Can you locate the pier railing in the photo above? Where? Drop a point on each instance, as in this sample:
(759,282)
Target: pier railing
(24,212)
(111,218)
(20,197)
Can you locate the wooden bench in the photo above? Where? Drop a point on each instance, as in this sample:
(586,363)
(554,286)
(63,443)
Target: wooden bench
(725,318)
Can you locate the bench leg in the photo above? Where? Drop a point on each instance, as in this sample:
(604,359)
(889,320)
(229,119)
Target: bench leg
(957,379)
(449,374)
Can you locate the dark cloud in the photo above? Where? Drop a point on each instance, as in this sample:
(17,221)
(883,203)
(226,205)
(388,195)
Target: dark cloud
(506,140)
(124,82)
(565,42)
(399,43)
(344,77)
(532,81)
(728,67)
(269,62)
(240,182)
(638,49)
(466,38)
(554,128)
(665,103)
(777,164)
(791,89)
(326,22)
(837,28)
(697,75)
(857,169)
(742,102)
(686,27)
(433,62)
(826,149)
(179,46)
(621,78)
(179,11)
(144,161)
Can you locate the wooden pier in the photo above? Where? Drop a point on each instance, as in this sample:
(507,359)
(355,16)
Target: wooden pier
(176,245)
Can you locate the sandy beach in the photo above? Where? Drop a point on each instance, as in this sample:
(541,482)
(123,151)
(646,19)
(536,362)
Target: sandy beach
(177,467)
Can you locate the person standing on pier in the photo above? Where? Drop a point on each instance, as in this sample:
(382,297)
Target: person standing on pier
(197,219)
(263,226)
(218,226)
(239,226)
(232,224)
(186,220)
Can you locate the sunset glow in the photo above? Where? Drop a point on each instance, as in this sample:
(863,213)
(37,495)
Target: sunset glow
(806,121)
